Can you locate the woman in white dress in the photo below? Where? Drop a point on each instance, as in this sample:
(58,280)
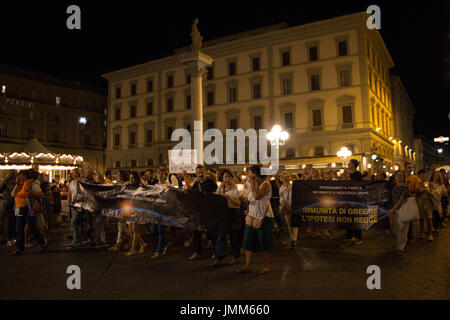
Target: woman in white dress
(258,234)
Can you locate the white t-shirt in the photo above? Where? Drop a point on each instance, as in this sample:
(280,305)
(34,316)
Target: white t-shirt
(73,188)
(233,193)
(286,195)
(259,208)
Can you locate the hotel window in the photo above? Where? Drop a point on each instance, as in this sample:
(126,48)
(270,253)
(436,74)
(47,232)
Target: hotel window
(370,78)
(149,108)
(256,87)
(232,94)
(117,164)
(255,64)
(3,111)
(87,140)
(344,78)
(285,58)
(133,89)
(132,139)
(169,104)
(288,120)
(118,92)
(188,79)
(117,140)
(150,162)
(231,68)
(317,119)
(210,125)
(342,48)
(257,122)
(149,136)
(210,73)
(149,85)
(169,132)
(56,136)
(210,98)
(58,101)
(287,86)
(315,82)
(313,56)
(169,81)
(133,163)
(233,124)
(368,51)
(3,90)
(318,151)
(133,111)
(347,117)
(2,131)
(188,102)
(117,114)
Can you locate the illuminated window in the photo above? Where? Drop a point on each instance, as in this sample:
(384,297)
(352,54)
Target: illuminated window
(3,89)
(58,101)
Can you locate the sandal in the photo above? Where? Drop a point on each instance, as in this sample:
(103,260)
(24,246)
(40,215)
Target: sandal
(131,253)
(244,270)
(156,255)
(264,270)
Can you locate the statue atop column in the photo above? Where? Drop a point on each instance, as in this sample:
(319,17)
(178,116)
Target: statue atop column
(196,37)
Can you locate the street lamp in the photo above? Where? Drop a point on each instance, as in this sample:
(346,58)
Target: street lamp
(344,153)
(277,137)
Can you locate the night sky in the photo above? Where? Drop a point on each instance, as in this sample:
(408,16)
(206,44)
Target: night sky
(34,37)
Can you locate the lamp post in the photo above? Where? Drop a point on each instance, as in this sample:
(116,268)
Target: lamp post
(344,153)
(277,138)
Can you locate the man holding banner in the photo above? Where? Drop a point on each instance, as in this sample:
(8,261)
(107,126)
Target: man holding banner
(355,236)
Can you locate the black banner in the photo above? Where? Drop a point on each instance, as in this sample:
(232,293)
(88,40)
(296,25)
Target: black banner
(339,204)
(187,209)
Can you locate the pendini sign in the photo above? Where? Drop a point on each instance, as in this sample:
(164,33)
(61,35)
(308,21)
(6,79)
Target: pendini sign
(441,139)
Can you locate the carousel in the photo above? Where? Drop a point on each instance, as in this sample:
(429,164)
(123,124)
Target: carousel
(34,155)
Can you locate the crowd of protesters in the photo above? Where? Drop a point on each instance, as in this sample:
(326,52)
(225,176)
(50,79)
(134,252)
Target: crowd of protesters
(260,207)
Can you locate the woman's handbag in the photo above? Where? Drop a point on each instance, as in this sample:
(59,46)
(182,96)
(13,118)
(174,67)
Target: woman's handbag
(409,211)
(35,206)
(255,222)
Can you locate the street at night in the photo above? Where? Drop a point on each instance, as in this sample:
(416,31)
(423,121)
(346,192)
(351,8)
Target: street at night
(317,269)
(191,155)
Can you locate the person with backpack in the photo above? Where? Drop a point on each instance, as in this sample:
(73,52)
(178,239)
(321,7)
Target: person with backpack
(27,195)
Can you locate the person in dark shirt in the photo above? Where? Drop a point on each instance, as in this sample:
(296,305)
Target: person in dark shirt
(275,203)
(354,236)
(151,179)
(204,184)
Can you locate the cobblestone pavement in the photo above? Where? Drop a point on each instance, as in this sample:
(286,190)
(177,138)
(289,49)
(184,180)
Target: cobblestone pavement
(317,269)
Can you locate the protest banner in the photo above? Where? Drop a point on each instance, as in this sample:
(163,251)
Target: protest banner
(339,204)
(181,208)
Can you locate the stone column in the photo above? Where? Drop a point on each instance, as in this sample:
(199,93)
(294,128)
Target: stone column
(196,63)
